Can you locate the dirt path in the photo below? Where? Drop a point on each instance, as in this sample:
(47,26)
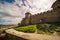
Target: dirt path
(32,36)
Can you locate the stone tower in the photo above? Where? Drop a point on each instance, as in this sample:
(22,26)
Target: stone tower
(56,7)
(28,18)
(27,15)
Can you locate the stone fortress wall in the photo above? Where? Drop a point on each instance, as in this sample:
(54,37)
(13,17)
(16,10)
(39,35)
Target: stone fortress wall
(46,17)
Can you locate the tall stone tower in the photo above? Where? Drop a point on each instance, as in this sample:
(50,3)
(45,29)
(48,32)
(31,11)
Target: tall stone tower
(56,7)
(28,18)
(27,15)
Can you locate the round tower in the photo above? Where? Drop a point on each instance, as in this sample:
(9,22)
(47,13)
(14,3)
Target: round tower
(28,18)
(27,15)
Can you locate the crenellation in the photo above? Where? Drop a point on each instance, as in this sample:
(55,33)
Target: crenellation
(46,17)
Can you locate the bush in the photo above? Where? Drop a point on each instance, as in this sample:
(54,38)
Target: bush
(53,27)
(58,33)
(57,24)
(40,32)
(44,29)
(30,28)
(41,26)
(44,32)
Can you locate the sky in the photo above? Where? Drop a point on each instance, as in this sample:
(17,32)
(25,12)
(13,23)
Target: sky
(12,11)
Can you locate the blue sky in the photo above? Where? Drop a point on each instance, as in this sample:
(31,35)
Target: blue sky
(12,11)
(9,1)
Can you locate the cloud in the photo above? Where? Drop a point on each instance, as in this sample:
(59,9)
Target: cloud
(36,6)
(12,13)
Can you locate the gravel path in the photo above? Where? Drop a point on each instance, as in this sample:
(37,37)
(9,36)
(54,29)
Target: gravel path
(32,36)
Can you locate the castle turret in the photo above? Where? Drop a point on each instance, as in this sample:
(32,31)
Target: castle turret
(27,15)
(28,18)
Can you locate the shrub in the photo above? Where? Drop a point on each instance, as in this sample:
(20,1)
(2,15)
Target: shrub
(57,24)
(58,33)
(41,26)
(44,29)
(53,27)
(40,32)
(30,28)
(44,32)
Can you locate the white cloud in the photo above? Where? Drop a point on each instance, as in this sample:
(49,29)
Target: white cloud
(12,13)
(36,6)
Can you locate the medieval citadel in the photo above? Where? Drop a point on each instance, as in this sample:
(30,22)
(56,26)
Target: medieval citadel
(46,17)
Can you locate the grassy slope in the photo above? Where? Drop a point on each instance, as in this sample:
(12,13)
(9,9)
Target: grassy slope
(29,28)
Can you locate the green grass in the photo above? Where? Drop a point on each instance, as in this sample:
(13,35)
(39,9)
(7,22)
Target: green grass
(29,28)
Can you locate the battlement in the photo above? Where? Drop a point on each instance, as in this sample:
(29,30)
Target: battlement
(46,17)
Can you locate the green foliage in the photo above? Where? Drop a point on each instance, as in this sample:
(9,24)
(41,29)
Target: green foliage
(19,25)
(30,28)
(44,32)
(43,29)
(57,24)
(58,33)
(40,32)
(40,27)
(52,27)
